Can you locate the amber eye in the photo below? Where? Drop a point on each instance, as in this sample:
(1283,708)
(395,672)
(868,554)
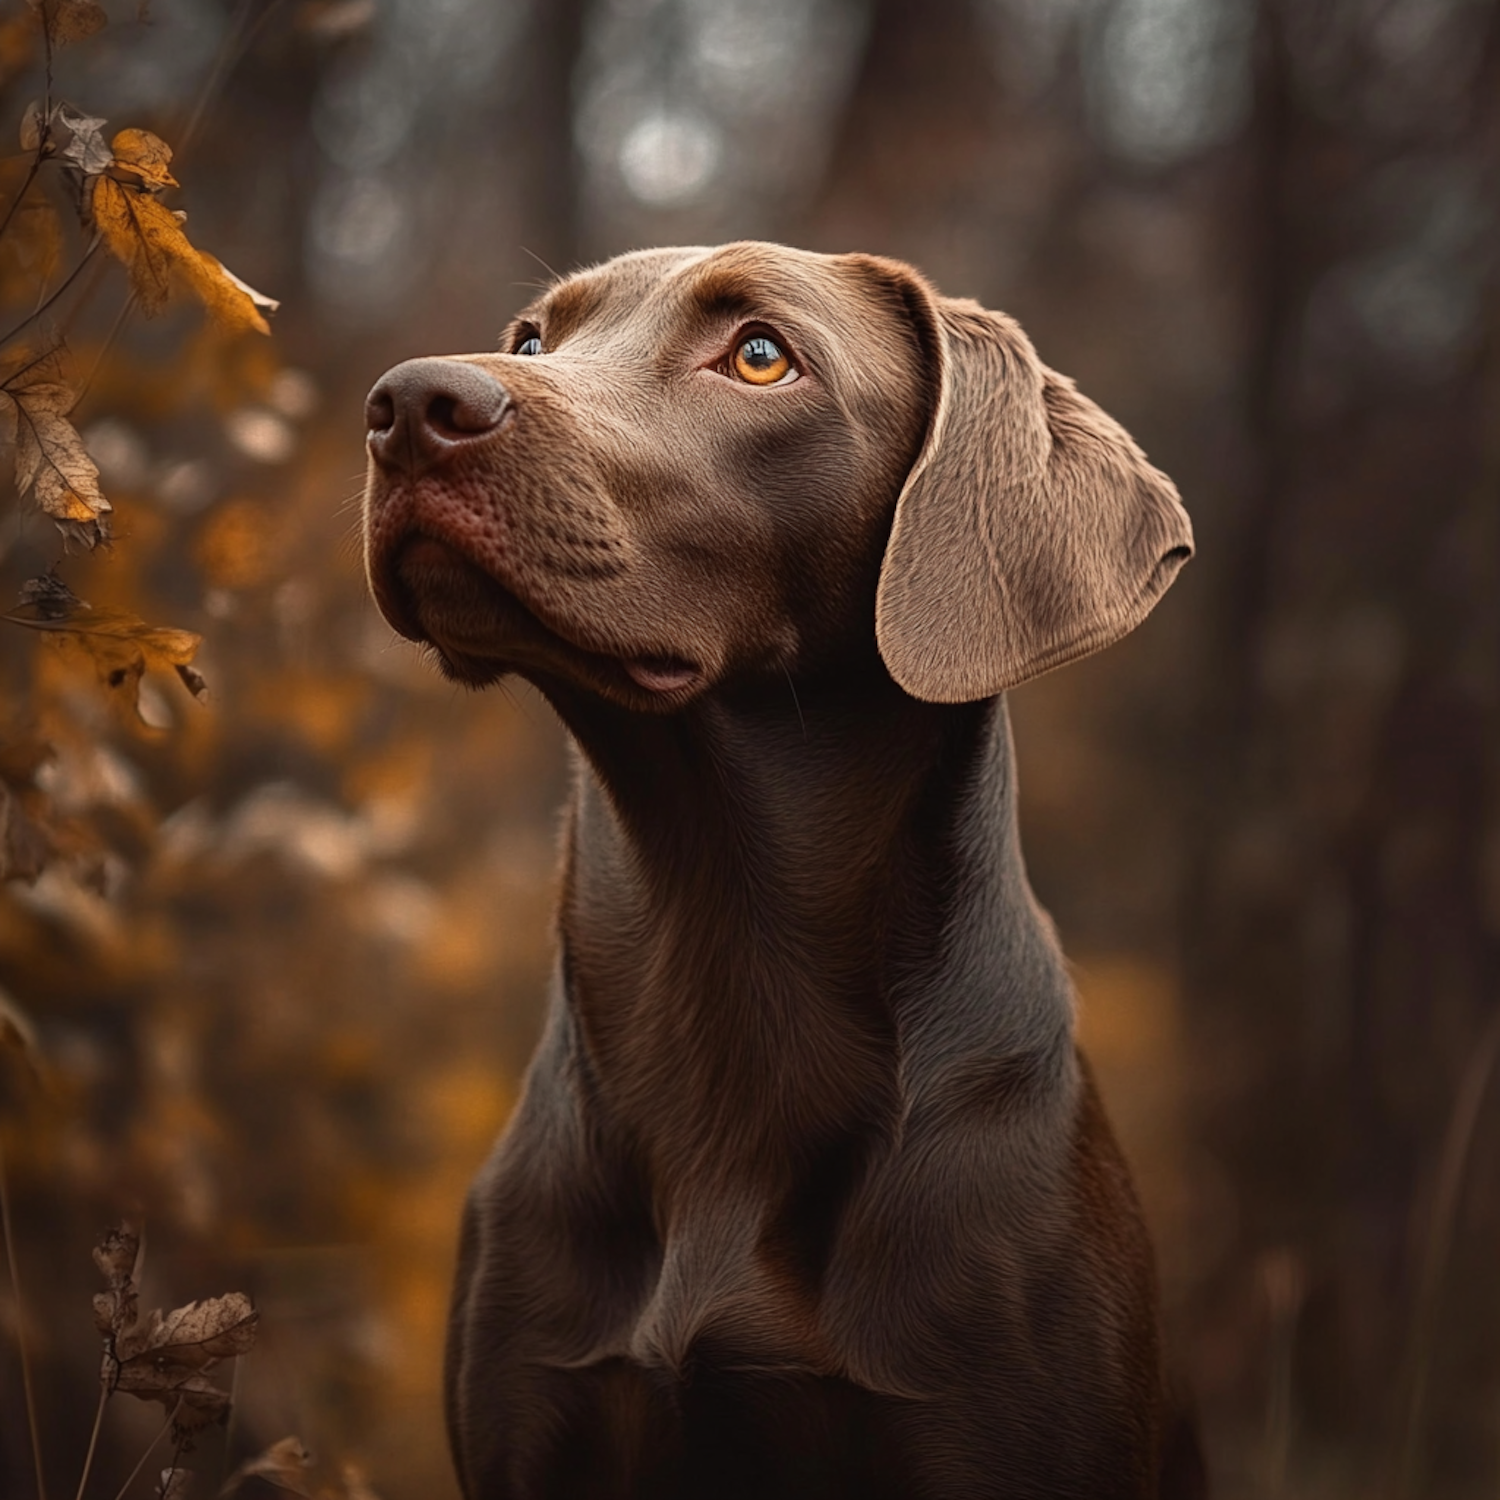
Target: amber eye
(762,361)
(533,345)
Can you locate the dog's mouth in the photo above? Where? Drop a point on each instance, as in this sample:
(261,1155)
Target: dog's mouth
(431,593)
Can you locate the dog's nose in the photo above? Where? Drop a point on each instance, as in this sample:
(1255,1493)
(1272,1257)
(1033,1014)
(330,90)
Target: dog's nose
(426,410)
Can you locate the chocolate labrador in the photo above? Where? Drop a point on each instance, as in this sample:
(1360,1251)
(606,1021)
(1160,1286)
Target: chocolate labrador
(809,1193)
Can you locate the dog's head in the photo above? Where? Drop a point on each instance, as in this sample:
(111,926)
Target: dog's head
(691,465)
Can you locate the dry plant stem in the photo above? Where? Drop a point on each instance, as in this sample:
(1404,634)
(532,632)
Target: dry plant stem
(231,1423)
(73,275)
(114,333)
(140,1463)
(15,202)
(88,1458)
(1452,1169)
(15,1282)
(236,42)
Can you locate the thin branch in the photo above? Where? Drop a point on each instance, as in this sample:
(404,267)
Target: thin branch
(36,163)
(73,275)
(15,1282)
(108,343)
(88,1460)
(1453,1167)
(140,1463)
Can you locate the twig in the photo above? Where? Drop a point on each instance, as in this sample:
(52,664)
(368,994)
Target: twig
(15,1282)
(140,1463)
(88,1458)
(73,275)
(236,41)
(108,343)
(10,213)
(1452,1168)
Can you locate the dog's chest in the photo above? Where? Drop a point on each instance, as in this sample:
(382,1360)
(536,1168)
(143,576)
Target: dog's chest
(723,1293)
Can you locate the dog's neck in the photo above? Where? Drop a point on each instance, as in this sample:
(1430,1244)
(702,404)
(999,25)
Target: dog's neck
(783,911)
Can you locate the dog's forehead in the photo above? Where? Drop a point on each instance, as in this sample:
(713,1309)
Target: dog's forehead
(656,290)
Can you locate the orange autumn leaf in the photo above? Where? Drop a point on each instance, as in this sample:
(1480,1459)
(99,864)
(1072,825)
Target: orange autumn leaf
(141,154)
(148,239)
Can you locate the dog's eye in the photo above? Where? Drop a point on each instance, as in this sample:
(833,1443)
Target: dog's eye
(762,361)
(533,345)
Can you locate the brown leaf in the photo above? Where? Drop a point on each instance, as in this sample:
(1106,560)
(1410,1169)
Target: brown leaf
(166,1357)
(31,126)
(51,461)
(148,239)
(18,1035)
(121,645)
(118,1256)
(139,154)
(198,1336)
(283,1464)
(50,597)
(69,20)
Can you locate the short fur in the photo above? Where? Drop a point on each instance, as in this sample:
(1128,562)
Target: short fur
(809,1193)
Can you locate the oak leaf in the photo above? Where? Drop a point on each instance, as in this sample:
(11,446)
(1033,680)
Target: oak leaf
(51,461)
(69,20)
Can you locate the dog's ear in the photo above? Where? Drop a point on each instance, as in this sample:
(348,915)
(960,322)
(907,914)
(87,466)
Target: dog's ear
(1031,530)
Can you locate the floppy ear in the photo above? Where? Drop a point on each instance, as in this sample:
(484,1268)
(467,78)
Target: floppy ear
(1031,530)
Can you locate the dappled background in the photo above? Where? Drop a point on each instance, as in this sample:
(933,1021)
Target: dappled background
(277,955)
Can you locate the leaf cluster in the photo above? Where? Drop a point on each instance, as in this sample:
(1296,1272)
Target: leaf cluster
(166,1357)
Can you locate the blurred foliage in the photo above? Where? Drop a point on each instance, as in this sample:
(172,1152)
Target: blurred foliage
(275,930)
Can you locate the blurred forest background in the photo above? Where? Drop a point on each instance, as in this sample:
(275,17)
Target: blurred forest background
(278,955)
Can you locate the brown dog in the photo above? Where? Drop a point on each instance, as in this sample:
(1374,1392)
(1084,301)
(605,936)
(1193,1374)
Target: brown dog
(809,1194)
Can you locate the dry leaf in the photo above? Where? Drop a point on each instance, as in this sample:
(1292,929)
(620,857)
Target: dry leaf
(284,1464)
(121,645)
(18,1035)
(31,126)
(118,1256)
(174,1484)
(69,20)
(51,461)
(166,1357)
(85,148)
(148,239)
(139,154)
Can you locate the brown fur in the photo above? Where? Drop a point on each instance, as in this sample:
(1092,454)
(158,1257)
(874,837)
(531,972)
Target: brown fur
(809,1193)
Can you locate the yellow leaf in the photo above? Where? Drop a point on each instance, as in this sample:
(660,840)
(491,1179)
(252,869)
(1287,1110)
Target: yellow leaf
(51,461)
(143,155)
(148,239)
(69,20)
